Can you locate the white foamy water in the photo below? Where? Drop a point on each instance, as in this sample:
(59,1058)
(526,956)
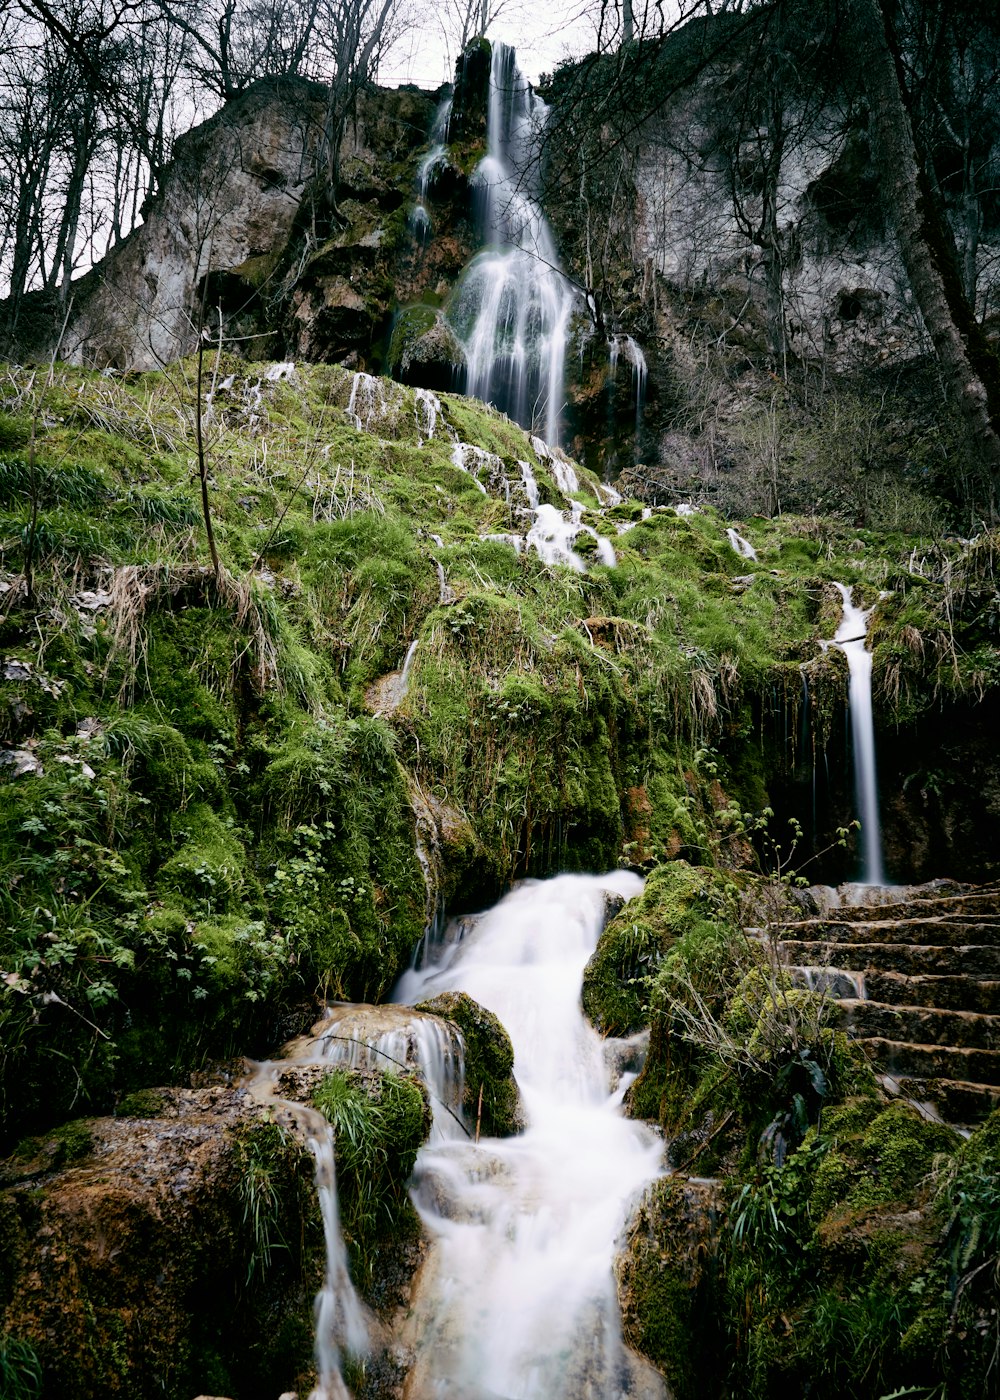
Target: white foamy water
(742,546)
(513,304)
(517,1298)
(436,157)
(850,637)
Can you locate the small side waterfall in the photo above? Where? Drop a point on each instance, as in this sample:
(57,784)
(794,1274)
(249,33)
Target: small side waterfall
(625,346)
(512,305)
(420,219)
(341,1320)
(742,546)
(850,637)
(517,1297)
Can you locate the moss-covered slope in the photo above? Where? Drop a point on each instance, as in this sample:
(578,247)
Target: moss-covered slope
(208,805)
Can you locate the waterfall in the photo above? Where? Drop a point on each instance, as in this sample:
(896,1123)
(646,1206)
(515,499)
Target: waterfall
(517,1298)
(625,345)
(850,638)
(437,156)
(742,546)
(341,1319)
(404,679)
(512,305)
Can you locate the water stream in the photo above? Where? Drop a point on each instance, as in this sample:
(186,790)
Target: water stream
(341,1318)
(517,1298)
(436,157)
(512,305)
(851,637)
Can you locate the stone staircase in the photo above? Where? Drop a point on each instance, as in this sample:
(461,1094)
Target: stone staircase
(916,974)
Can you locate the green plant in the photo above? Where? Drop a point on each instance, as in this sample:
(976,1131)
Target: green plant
(257,1154)
(379,1122)
(20,1370)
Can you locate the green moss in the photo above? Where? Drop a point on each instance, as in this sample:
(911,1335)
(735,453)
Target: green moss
(492,1103)
(668,1285)
(379,1121)
(896,1154)
(207,870)
(618,979)
(144,1103)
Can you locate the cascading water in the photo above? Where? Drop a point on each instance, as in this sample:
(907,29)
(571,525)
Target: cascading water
(437,156)
(516,1298)
(341,1321)
(850,637)
(512,305)
(742,546)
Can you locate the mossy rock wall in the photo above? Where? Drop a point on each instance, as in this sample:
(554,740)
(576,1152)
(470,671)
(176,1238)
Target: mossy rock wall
(164,1256)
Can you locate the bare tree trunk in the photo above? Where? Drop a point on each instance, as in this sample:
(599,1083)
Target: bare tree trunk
(628,22)
(971,370)
(770,232)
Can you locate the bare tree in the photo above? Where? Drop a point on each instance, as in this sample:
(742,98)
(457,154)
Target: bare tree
(464,20)
(352,37)
(969,364)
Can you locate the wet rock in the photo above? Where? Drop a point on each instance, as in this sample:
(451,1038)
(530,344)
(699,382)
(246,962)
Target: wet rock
(492,1101)
(134,1265)
(666,1282)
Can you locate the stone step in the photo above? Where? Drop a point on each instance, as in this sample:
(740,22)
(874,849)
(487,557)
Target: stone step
(943,906)
(955,1100)
(911,959)
(904,1060)
(959,993)
(931,931)
(920,1025)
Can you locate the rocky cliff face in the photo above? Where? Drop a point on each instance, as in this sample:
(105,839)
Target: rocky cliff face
(229,201)
(706,354)
(241,228)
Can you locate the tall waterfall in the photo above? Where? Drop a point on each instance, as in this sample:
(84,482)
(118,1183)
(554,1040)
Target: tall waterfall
(850,637)
(512,305)
(516,1298)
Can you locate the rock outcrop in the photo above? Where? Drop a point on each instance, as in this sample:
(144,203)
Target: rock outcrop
(175,1248)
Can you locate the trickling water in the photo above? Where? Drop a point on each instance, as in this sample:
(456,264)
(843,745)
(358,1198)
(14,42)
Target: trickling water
(742,547)
(625,347)
(530,484)
(404,679)
(512,305)
(367,400)
(427,411)
(341,1321)
(437,156)
(464,452)
(850,638)
(517,1297)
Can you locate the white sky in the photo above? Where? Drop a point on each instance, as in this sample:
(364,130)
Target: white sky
(543,34)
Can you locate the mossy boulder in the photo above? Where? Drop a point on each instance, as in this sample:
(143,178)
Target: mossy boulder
(424,350)
(618,979)
(874,1163)
(667,1284)
(492,1101)
(169,1256)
